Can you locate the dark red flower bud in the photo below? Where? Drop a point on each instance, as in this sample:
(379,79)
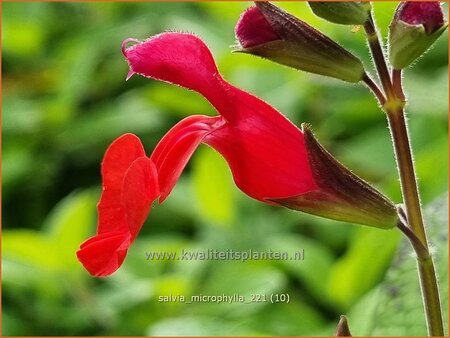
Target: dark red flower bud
(269,32)
(428,14)
(253,29)
(415,27)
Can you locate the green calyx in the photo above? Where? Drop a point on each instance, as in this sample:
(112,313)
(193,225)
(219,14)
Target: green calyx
(408,42)
(344,13)
(327,61)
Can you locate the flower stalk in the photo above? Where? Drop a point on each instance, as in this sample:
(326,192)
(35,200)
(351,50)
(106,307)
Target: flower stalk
(427,274)
(414,228)
(375,89)
(378,55)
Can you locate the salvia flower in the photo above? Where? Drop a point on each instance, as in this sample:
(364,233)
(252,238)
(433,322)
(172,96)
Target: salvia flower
(267,31)
(415,27)
(271,159)
(342,12)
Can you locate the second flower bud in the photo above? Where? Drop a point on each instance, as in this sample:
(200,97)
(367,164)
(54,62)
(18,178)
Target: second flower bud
(269,32)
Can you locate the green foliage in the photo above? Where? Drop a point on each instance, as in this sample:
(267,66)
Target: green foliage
(368,255)
(314,270)
(211,179)
(391,309)
(53,248)
(43,264)
(65,99)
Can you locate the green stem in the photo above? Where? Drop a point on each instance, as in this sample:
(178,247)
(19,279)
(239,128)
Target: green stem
(374,88)
(397,84)
(405,165)
(427,274)
(414,229)
(419,248)
(430,293)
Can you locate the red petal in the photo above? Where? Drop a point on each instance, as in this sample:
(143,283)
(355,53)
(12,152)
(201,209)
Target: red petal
(175,149)
(103,254)
(177,58)
(130,187)
(140,189)
(118,158)
(181,59)
(265,151)
(253,29)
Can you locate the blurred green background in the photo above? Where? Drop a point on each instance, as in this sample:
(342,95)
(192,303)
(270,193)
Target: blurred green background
(65,99)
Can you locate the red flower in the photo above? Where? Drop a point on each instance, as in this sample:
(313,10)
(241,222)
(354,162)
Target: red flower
(267,154)
(265,151)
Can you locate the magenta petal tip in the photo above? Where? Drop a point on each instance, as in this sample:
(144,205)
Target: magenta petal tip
(129,75)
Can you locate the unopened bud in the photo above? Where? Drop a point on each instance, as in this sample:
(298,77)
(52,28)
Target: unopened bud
(269,32)
(344,13)
(415,27)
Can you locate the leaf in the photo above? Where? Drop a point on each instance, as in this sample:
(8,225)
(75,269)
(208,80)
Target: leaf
(187,102)
(432,168)
(430,102)
(143,258)
(69,224)
(54,249)
(13,325)
(373,146)
(294,319)
(395,308)
(400,310)
(126,113)
(239,278)
(196,326)
(314,270)
(30,248)
(363,265)
(213,186)
(23,37)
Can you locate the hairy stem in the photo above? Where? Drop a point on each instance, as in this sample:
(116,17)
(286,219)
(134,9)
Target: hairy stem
(415,242)
(430,294)
(378,56)
(405,165)
(375,89)
(414,228)
(397,84)
(416,231)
